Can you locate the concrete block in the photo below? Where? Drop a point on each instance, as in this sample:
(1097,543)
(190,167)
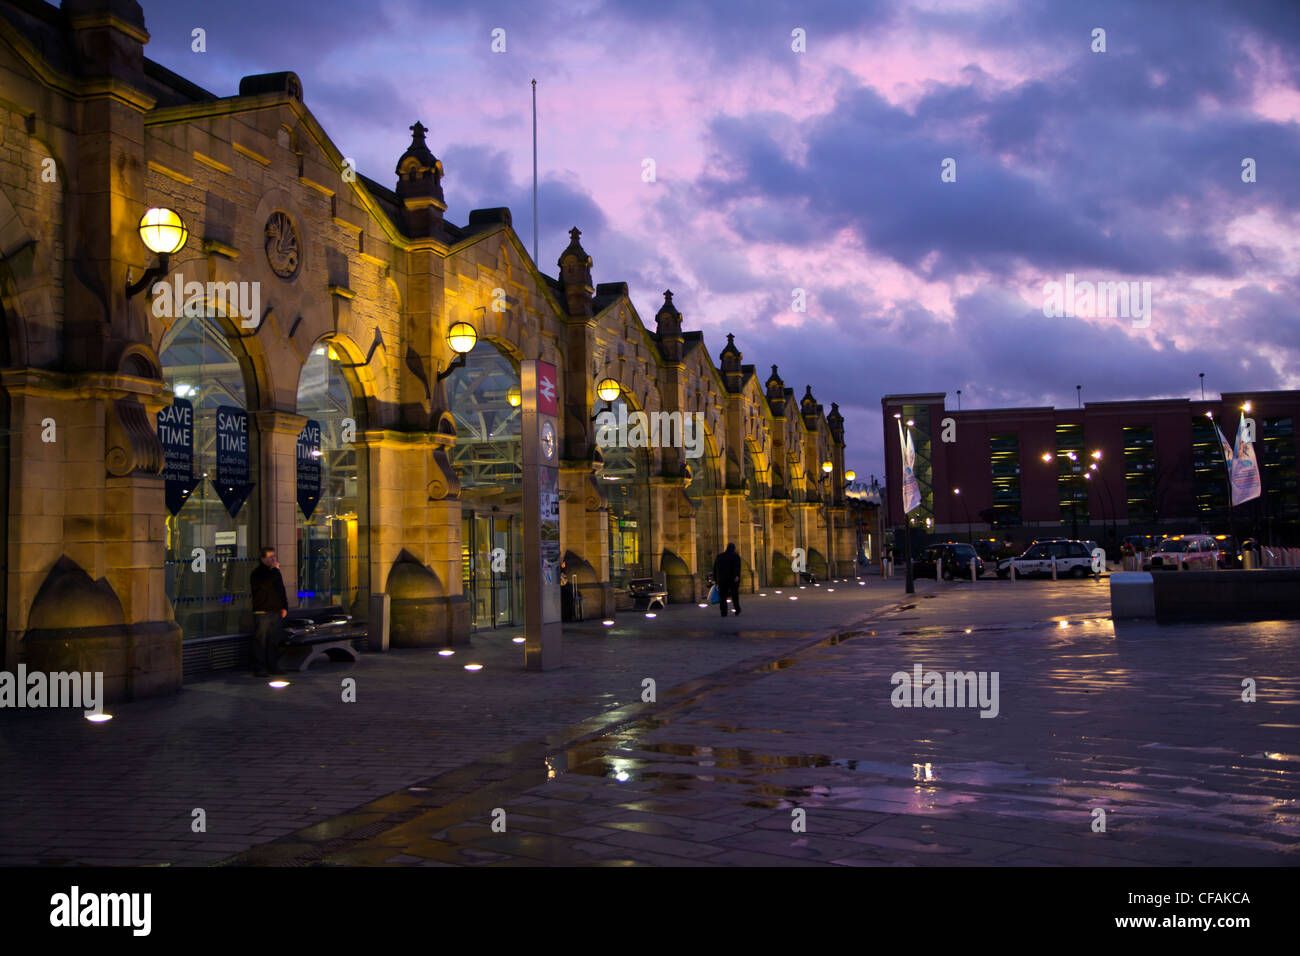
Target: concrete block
(1132,595)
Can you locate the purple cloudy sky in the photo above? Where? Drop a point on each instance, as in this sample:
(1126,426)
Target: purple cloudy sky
(821,170)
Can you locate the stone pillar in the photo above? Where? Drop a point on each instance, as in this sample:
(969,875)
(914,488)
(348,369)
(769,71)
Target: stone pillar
(86,532)
(584,530)
(277,491)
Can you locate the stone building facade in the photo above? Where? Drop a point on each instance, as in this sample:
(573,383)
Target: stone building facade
(309,294)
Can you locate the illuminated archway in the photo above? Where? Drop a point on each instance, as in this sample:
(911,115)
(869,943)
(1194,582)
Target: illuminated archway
(485,401)
(333,541)
(631,515)
(706,472)
(208,588)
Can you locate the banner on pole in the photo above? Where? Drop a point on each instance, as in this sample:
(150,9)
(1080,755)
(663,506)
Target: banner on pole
(911,490)
(1244,470)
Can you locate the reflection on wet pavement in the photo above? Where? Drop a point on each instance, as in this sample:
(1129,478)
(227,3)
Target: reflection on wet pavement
(1147,724)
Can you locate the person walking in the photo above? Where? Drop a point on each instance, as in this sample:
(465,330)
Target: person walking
(726,574)
(270,605)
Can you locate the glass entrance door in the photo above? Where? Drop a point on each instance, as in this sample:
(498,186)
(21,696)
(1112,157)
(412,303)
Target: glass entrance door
(492,568)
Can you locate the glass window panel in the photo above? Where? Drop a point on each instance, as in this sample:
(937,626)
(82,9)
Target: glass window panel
(199,365)
(333,552)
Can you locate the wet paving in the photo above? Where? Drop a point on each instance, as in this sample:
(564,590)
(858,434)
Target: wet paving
(806,760)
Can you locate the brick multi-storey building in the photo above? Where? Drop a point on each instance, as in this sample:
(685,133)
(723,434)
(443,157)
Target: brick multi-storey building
(1137,467)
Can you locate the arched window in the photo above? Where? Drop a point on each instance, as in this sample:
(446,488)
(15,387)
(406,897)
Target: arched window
(759,490)
(208,588)
(702,490)
(485,401)
(627,474)
(333,542)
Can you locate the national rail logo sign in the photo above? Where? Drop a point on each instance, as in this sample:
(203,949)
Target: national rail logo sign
(547,389)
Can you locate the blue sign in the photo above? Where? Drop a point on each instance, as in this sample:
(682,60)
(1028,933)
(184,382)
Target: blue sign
(232,482)
(309,468)
(176,432)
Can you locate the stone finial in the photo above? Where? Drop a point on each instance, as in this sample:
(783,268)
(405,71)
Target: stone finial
(775,392)
(835,421)
(575,275)
(729,358)
(668,312)
(668,330)
(419,177)
(574,251)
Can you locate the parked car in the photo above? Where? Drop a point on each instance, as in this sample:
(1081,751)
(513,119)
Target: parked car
(1073,559)
(1142,543)
(1199,552)
(951,559)
(1228,552)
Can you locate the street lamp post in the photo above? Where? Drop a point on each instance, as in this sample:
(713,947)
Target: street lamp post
(1110,499)
(909,586)
(1076,471)
(827,468)
(970,535)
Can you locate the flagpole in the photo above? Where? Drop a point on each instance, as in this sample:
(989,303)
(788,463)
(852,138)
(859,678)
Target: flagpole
(909,586)
(534,172)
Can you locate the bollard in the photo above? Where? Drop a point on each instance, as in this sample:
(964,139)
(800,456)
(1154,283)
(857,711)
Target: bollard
(1053,567)
(1248,560)
(1013,570)
(973,576)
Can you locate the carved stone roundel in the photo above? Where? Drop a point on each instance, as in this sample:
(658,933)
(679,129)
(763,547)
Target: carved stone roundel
(282,245)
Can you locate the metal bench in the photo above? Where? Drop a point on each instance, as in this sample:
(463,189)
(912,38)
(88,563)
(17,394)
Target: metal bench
(315,633)
(648,590)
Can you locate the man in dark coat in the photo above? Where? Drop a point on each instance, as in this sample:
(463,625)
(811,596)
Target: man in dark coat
(726,574)
(270,605)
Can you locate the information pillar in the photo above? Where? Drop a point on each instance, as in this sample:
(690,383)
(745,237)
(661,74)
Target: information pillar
(539,387)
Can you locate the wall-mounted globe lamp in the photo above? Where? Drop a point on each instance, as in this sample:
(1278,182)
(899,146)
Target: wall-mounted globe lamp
(827,467)
(462,337)
(850,475)
(607,390)
(514,396)
(163,233)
